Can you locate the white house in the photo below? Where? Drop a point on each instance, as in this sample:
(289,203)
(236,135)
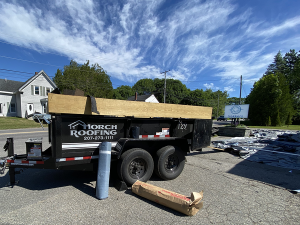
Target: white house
(143,98)
(24,98)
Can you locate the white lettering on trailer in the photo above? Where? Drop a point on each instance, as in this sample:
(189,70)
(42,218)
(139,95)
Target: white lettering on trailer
(94,130)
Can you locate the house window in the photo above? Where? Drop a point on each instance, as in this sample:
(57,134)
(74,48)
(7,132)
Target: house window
(36,90)
(12,107)
(45,108)
(47,90)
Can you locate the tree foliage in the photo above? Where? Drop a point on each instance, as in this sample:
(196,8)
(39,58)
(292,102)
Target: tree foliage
(178,93)
(235,101)
(276,100)
(144,86)
(278,65)
(92,79)
(289,66)
(175,90)
(123,92)
(216,100)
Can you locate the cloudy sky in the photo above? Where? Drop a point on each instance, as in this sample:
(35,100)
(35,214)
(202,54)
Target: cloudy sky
(205,44)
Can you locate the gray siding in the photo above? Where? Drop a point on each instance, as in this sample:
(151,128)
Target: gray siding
(6,100)
(29,95)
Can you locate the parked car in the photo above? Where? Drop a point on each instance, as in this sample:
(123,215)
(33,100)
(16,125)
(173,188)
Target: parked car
(220,118)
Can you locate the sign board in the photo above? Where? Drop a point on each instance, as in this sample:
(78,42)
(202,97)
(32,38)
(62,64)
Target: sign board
(236,111)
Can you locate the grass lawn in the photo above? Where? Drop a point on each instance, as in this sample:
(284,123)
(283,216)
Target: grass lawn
(17,123)
(290,127)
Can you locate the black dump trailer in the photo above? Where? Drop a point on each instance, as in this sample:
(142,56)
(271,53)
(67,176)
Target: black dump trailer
(140,146)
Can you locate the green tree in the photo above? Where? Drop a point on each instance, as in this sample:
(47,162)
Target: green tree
(176,91)
(277,122)
(92,79)
(289,66)
(289,120)
(208,98)
(276,100)
(269,122)
(292,70)
(195,97)
(123,92)
(278,65)
(235,101)
(144,86)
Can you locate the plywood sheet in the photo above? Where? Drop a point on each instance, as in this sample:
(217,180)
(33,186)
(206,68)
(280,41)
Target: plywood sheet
(82,105)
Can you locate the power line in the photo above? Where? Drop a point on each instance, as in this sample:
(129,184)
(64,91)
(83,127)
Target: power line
(47,64)
(16,71)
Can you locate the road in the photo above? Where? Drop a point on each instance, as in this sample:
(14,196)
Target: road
(21,136)
(236,191)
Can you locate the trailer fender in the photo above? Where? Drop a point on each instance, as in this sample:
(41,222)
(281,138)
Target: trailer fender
(151,145)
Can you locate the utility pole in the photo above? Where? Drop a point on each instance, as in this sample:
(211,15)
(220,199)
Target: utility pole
(240,95)
(165,84)
(241,91)
(218,106)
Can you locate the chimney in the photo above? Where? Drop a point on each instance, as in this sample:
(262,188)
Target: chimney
(5,80)
(135,96)
(36,73)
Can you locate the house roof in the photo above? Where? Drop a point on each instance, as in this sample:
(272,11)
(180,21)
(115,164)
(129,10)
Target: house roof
(10,85)
(141,98)
(14,86)
(34,77)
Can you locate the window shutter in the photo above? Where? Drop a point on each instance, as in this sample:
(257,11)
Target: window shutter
(44,91)
(8,107)
(41,90)
(32,90)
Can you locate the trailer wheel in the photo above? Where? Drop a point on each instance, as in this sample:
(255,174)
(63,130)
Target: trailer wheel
(169,162)
(135,164)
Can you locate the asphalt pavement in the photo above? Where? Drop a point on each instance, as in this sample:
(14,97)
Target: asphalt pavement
(236,191)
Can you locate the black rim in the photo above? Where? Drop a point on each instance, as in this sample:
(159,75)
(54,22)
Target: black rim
(171,163)
(137,168)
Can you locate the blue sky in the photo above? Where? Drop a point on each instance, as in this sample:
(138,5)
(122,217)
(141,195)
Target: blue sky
(204,44)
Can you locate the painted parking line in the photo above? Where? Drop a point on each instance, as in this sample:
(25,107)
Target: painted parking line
(24,132)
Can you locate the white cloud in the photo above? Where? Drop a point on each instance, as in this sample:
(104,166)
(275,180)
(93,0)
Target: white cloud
(138,40)
(229,89)
(211,86)
(278,29)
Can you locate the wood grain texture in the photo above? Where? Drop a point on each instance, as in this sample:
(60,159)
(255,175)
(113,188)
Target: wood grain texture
(68,104)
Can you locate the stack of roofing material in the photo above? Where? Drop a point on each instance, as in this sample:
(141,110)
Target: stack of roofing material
(271,147)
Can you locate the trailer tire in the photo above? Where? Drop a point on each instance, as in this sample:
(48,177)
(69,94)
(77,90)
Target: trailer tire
(135,164)
(169,162)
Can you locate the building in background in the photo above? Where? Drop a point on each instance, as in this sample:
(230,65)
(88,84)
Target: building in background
(143,98)
(24,98)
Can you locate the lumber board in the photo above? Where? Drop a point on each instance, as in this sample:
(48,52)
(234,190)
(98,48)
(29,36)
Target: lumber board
(67,104)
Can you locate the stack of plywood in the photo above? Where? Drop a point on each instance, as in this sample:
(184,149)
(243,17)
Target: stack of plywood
(67,104)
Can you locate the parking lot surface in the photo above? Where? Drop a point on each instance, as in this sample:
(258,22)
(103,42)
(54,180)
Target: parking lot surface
(236,191)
